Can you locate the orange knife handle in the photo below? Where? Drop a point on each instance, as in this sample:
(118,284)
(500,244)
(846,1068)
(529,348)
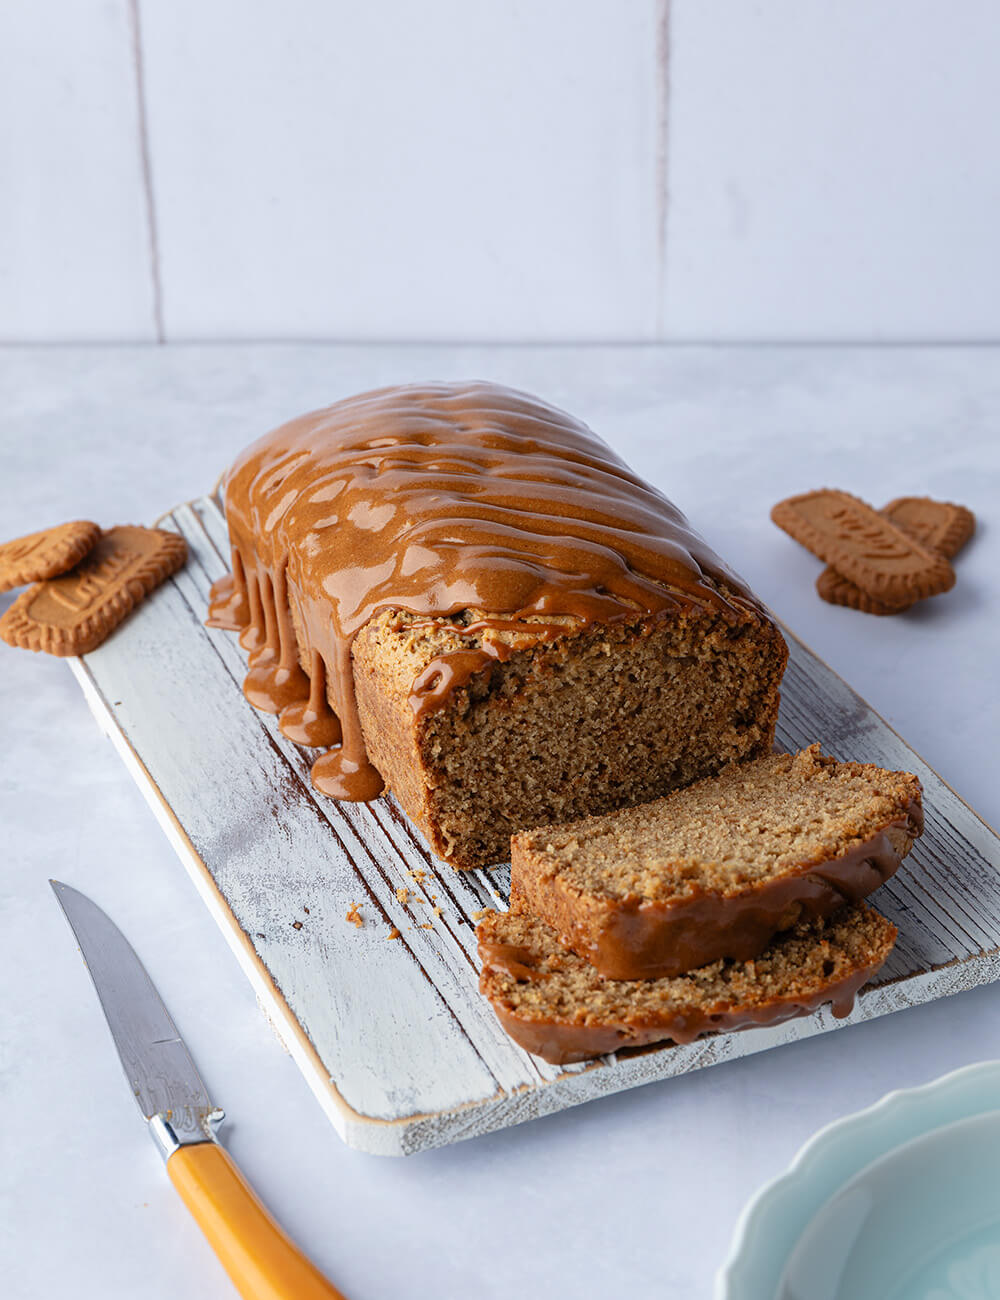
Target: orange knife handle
(263,1263)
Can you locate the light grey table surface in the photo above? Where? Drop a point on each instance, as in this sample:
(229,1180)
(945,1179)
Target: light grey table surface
(635,1194)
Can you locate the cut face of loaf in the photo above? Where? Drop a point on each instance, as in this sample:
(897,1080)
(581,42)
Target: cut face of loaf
(717,869)
(554,1004)
(584,724)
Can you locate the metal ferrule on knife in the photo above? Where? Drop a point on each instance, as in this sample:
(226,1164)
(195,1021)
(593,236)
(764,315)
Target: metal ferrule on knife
(170,1131)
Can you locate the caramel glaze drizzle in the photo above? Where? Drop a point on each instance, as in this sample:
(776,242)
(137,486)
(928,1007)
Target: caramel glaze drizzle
(433,499)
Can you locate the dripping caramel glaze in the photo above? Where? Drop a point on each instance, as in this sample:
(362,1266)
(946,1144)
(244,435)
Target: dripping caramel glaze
(436,499)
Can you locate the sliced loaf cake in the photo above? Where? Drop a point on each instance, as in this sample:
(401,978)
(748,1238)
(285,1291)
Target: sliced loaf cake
(717,869)
(554,1004)
(460,592)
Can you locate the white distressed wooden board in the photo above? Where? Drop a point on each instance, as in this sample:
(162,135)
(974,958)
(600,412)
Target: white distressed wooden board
(393,1036)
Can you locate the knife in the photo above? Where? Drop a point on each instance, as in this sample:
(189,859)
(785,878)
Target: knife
(263,1263)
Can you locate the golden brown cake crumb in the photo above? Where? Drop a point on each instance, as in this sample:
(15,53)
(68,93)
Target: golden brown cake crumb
(551,730)
(354,915)
(403,895)
(393,933)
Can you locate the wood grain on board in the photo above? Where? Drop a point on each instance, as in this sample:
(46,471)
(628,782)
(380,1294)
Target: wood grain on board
(392,1034)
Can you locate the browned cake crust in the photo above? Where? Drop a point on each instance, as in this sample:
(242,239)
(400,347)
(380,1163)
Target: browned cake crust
(715,870)
(554,1004)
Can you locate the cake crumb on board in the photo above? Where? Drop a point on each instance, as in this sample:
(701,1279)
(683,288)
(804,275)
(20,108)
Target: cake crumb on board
(354,915)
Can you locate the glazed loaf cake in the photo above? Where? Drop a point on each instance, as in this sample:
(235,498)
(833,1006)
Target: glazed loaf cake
(717,869)
(556,1005)
(460,592)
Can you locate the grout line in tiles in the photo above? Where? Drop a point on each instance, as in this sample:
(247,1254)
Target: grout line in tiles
(147,169)
(662,154)
(734,343)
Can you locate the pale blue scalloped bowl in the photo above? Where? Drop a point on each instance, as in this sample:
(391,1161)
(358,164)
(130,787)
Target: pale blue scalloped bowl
(899,1201)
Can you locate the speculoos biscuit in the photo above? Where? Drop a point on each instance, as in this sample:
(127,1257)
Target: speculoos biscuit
(941,526)
(44,554)
(864,546)
(73,613)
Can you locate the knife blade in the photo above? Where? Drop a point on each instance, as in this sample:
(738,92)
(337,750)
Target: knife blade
(261,1260)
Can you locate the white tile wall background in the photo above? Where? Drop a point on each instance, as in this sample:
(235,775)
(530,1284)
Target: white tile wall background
(499,169)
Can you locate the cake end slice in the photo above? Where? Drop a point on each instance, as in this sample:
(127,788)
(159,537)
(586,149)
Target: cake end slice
(554,1004)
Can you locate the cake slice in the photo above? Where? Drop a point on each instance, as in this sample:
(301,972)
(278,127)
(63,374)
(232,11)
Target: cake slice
(554,1004)
(717,869)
